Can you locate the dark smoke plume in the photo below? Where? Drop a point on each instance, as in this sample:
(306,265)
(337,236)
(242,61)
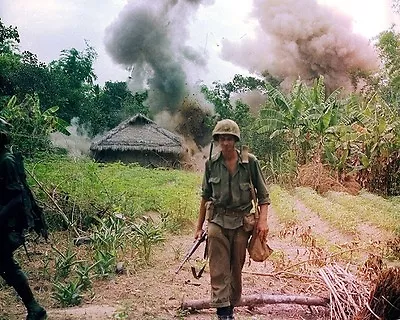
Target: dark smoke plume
(302,39)
(193,123)
(148,38)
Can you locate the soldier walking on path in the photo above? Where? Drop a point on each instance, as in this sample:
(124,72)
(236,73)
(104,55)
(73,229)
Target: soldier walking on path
(12,224)
(227,205)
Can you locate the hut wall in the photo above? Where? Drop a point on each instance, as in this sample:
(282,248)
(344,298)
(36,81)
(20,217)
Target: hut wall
(144,158)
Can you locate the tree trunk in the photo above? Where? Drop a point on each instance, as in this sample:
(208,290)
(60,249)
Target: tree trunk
(261,299)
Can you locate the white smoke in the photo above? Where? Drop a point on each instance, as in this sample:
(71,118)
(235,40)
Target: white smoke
(77,144)
(301,39)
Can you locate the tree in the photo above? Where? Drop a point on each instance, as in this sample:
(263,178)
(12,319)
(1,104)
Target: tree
(9,38)
(221,96)
(74,75)
(108,106)
(389,77)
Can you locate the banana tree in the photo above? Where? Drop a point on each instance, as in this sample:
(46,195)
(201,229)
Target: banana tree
(380,155)
(282,118)
(322,117)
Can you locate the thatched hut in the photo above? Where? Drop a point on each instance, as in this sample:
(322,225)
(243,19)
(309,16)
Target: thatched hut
(140,140)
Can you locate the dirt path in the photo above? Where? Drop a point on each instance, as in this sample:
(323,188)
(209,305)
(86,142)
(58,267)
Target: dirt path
(157,292)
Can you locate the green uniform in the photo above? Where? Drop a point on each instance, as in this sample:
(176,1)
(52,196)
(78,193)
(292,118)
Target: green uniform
(12,207)
(11,202)
(231,197)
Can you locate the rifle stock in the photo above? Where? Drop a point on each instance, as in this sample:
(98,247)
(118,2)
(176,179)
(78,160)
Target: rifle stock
(196,244)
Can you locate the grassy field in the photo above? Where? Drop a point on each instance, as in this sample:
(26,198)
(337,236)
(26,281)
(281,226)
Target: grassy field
(128,212)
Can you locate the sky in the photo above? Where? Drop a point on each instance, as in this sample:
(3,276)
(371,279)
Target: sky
(211,31)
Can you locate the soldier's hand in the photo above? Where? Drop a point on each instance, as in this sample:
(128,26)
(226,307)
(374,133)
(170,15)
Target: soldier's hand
(198,234)
(262,229)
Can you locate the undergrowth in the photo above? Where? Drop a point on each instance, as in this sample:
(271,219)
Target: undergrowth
(125,211)
(284,205)
(382,213)
(84,190)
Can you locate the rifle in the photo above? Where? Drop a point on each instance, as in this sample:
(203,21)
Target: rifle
(196,244)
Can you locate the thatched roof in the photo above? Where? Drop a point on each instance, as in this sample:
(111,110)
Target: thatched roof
(138,133)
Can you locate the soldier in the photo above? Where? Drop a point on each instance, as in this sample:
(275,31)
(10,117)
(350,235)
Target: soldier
(226,189)
(11,229)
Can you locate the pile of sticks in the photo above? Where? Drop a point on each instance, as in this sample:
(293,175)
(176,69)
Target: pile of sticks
(347,295)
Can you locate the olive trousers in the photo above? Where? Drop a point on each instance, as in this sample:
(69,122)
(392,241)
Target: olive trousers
(11,272)
(227,254)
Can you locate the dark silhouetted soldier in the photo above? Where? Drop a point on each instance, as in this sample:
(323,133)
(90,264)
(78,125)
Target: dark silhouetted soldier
(12,227)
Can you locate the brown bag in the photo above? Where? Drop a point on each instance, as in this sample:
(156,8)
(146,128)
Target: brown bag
(258,250)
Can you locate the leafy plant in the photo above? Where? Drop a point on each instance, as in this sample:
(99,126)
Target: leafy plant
(64,263)
(111,234)
(68,294)
(105,263)
(84,275)
(146,236)
(30,125)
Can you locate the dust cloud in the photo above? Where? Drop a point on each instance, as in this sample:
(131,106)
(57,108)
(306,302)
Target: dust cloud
(302,39)
(77,144)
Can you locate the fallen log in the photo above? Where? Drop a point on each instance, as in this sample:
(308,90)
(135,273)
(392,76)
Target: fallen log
(261,299)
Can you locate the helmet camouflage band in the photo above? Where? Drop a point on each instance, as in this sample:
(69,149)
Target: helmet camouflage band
(226,126)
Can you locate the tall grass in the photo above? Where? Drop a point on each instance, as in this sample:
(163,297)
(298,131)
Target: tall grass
(284,205)
(84,188)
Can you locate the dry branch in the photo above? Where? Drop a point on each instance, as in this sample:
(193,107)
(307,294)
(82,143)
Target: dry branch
(347,294)
(261,299)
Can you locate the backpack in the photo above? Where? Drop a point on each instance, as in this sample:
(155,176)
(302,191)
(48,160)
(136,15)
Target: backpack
(33,215)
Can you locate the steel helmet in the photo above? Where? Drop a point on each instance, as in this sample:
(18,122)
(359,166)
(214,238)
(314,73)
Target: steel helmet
(4,138)
(226,126)
(4,135)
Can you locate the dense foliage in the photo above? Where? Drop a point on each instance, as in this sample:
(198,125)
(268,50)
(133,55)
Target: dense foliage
(351,134)
(66,83)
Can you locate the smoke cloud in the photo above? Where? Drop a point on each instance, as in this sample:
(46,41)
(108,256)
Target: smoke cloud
(77,144)
(148,38)
(302,39)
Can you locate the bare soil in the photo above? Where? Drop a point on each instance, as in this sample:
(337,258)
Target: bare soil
(156,292)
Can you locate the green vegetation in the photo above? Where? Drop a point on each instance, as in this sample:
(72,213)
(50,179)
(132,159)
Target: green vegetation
(125,211)
(334,213)
(351,133)
(85,190)
(370,208)
(284,205)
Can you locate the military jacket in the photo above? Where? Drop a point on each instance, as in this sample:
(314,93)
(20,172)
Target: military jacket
(10,186)
(231,194)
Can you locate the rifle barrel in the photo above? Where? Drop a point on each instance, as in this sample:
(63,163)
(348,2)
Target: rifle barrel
(192,250)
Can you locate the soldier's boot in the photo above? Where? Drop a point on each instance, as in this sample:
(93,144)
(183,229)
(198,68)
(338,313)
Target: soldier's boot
(225,313)
(35,310)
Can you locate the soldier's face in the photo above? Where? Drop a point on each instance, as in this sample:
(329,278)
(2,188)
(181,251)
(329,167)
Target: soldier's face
(226,142)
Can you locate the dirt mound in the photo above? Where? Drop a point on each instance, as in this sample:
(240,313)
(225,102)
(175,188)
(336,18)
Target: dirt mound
(316,176)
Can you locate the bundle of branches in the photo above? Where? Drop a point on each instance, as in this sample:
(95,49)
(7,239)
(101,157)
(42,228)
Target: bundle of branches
(384,300)
(347,294)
